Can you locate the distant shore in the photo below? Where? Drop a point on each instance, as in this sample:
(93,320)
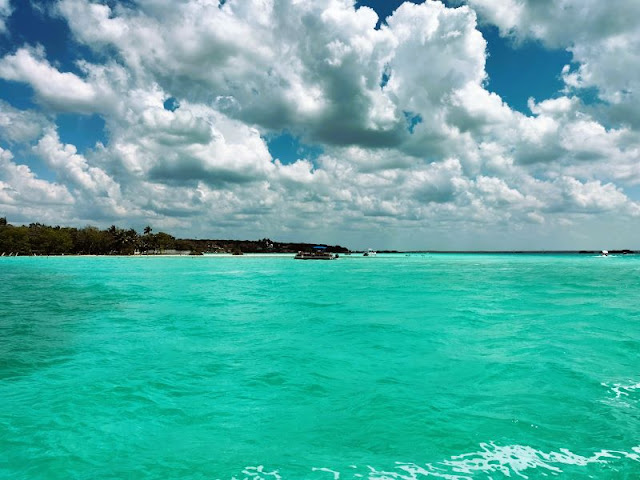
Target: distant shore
(38,239)
(354,253)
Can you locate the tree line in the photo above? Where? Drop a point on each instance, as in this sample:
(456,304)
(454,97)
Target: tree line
(39,239)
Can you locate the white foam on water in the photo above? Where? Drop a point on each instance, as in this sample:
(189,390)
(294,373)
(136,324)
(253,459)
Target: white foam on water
(625,394)
(508,461)
(258,473)
(622,390)
(336,475)
(513,459)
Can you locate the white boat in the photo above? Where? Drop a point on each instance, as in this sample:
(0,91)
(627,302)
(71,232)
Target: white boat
(604,253)
(370,253)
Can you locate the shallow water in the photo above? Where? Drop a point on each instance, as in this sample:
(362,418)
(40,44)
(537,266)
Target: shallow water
(389,367)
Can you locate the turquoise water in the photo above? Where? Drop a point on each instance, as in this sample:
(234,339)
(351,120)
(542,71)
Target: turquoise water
(393,367)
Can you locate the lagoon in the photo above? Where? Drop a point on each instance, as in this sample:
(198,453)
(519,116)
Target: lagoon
(387,367)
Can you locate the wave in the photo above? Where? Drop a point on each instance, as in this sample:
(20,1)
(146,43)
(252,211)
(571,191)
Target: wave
(621,390)
(490,459)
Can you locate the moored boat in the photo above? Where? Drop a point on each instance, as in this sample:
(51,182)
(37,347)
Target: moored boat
(318,253)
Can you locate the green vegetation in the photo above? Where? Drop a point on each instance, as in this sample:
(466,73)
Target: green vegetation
(38,239)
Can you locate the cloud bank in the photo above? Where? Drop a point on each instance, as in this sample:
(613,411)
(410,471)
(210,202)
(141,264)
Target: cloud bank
(416,152)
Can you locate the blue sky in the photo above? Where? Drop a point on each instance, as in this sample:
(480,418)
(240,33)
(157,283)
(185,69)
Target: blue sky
(449,125)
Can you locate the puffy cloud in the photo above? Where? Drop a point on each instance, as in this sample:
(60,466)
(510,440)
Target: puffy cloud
(472,108)
(593,197)
(61,91)
(19,187)
(603,37)
(559,24)
(20,126)
(411,139)
(327,87)
(5,11)
(90,183)
(439,183)
(192,143)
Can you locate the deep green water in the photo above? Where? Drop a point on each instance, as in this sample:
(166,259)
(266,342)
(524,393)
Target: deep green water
(394,367)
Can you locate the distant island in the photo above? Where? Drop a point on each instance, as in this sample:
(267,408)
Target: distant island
(39,239)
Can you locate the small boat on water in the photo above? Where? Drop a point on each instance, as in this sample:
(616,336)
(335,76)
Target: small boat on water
(318,253)
(370,253)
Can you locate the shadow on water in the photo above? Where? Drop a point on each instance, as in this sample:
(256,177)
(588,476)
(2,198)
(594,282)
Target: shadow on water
(41,314)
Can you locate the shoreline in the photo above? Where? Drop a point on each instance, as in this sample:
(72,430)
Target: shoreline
(353,253)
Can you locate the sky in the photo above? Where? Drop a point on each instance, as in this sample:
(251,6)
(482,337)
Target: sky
(463,125)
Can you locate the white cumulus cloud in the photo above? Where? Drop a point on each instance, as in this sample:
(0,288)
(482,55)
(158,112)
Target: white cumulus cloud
(5,12)
(412,148)
(19,187)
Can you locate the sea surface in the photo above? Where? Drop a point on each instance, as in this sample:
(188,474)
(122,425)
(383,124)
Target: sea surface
(264,367)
